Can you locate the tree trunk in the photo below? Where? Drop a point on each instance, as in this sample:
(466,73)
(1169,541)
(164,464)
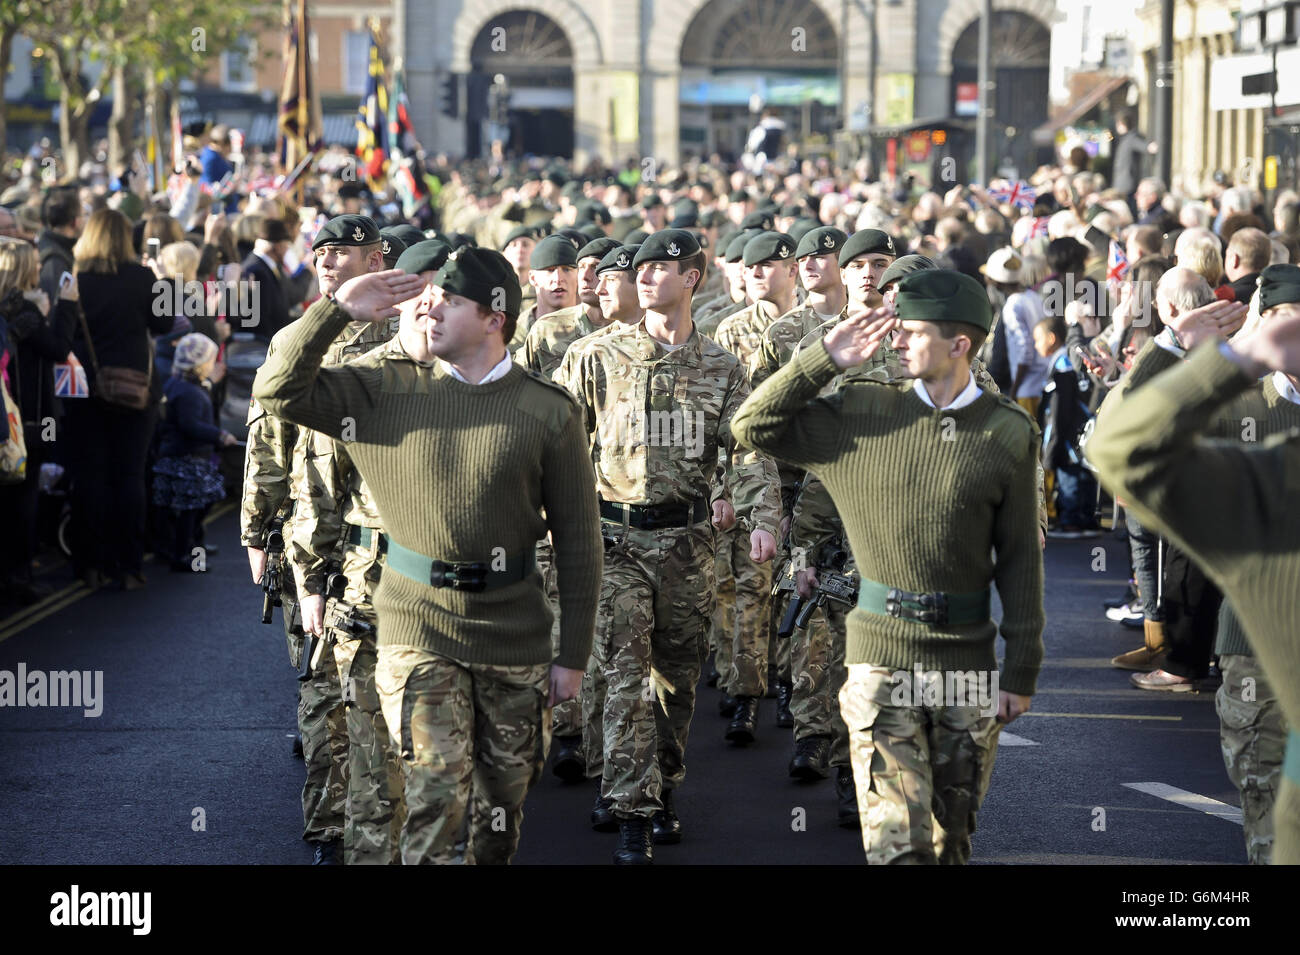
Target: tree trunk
(6,52)
(121,125)
(74,111)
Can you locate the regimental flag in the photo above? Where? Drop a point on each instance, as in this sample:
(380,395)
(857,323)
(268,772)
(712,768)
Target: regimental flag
(1018,193)
(1116,264)
(372,120)
(70,379)
(405,171)
(301,128)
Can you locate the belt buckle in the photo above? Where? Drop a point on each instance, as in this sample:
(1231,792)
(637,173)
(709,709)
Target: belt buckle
(934,608)
(894,602)
(470,577)
(439,572)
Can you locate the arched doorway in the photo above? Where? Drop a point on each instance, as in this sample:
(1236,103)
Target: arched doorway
(1020,48)
(738,53)
(520,86)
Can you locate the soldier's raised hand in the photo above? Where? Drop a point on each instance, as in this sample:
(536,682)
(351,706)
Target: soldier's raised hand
(374,297)
(856,338)
(1217,320)
(1274,345)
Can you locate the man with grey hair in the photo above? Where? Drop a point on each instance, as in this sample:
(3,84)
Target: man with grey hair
(1249,253)
(1195,215)
(1149,199)
(1181,290)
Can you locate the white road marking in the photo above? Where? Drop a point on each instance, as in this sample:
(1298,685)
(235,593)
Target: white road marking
(1211,807)
(1011,739)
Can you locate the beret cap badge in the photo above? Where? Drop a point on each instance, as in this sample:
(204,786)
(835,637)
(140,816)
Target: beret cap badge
(358,234)
(623,260)
(828,240)
(673,249)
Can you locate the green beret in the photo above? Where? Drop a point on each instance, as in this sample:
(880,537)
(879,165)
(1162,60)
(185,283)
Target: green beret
(409,234)
(791,211)
(710,219)
(347,230)
(822,241)
(576,236)
(636,237)
(598,247)
(572,189)
(428,255)
(905,265)
(758,220)
(702,239)
(593,210)
(391,246)
(801,227)
(483,276)
(553,251)
(1278,284)
(685,220)
(667,245)
(866,242)
(651,201)
(943,295)
(767,246)
(738,195)
(736,245)
(519,232)
(619,259)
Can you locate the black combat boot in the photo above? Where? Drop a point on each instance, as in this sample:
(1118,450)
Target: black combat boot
(784,693)
(772,681)
(846,793)
(667,827)
(602,813)
(811,758)
(744,722)
(635,845)
(569,764)
(727,705)
(327,853)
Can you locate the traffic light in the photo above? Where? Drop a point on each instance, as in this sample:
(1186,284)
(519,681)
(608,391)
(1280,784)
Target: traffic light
(451,96)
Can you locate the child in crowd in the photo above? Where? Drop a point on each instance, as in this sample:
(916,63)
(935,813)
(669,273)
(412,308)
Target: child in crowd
(186,480)
(1063,414)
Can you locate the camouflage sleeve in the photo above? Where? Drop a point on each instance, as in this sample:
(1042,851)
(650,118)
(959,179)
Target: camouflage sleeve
(751,477)
(815,523)
(267,460)
(764,363)
(319,500)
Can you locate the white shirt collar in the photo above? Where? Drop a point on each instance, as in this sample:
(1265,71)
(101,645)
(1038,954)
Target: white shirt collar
(969,394)
(499,370)
(1284,388)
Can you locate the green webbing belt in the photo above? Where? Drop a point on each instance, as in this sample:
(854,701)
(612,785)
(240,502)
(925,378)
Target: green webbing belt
(472,576)
(951,609)
(1291,763)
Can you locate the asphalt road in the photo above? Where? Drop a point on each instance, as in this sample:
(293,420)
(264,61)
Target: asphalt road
(197,718)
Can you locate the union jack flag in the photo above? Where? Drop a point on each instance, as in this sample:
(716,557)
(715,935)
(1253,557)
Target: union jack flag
(70,379)
(1018,193)
(1116,264)
(1039,228)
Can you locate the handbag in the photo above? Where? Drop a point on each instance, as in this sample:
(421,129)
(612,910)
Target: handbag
(115,384)
(13,449)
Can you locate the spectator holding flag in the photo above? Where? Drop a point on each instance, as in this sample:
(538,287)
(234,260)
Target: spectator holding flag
(38,336)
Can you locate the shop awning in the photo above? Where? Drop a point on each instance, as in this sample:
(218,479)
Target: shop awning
(1045,134)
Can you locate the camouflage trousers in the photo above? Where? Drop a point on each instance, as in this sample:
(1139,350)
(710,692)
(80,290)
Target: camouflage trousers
(322,728)
(817,668)
(566,718)
(742,616)
(656,600)
(779,650)
(592,700)
(921,771)
(1252,734)
(375,808)
(472,739)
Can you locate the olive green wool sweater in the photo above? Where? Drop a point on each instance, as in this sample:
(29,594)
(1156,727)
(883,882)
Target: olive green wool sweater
(1233,508)
(459,472)
(925,495)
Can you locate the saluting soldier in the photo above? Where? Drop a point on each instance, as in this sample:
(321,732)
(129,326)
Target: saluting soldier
(338,529)
(1231,505)
(346,246)
(463,452)
(657,400)
(931,478)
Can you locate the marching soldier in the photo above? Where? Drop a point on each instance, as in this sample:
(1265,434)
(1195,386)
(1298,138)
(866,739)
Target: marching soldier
(711,316)
(465,667)
(543,350)
(345,247)
(553,273)
(741,623)
(657,400)
(1232,507)
(338,526)
(930,477)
